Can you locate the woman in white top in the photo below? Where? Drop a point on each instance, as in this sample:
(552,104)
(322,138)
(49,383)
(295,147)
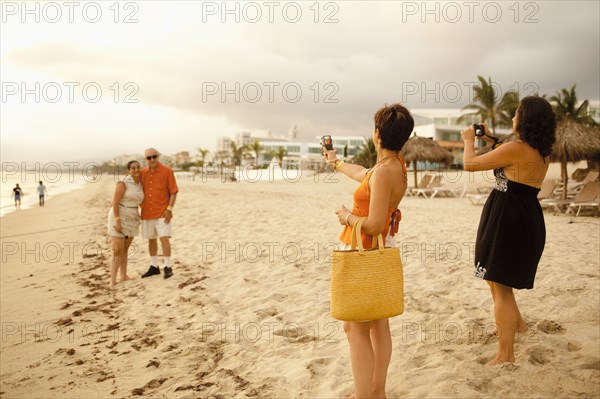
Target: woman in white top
(124,219)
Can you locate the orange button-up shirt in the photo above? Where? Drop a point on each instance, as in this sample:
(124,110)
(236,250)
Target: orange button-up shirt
(159,185)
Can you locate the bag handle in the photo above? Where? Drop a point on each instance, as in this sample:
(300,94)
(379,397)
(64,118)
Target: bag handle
(357,238)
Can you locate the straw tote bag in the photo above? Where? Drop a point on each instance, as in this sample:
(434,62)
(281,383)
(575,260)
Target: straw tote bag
(366,284)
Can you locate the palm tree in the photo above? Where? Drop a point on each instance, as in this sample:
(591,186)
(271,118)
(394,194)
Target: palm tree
(221,155)
(279,154)
(256,148)
(565,105)
(486,106)
(237,153)
(507,109)
(203,152)
(367,154)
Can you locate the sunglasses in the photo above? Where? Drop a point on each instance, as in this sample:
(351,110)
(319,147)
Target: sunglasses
(152,157)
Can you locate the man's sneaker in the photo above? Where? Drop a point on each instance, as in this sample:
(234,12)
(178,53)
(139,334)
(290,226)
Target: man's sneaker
(168,272)
(151,271)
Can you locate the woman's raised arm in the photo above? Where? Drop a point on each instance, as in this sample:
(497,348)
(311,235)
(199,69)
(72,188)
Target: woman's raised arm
(355,172)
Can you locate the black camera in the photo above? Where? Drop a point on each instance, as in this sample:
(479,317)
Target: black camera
(327,143)
(479,130)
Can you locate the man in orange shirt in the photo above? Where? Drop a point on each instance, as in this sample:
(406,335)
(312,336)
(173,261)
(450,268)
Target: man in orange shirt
(160,192)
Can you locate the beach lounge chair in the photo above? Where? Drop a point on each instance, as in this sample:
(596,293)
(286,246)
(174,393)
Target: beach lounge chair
(458,192)
(573,188)
(587,197)
(477,199)
(591,176)
(425,180)
(482,194)
(436,187)
(547,189)
(434,181)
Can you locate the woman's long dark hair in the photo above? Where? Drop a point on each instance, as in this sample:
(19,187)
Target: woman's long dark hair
(536,124)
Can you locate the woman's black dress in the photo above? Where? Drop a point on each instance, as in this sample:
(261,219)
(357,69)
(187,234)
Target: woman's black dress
(511,234)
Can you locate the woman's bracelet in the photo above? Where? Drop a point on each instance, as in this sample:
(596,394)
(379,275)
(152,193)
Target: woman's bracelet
(338,165)
(347,218)
(170,208)
(117,218)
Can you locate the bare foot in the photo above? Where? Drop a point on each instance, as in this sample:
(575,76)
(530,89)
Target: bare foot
(127,278)
(499,360)
(374,395)
(112,284)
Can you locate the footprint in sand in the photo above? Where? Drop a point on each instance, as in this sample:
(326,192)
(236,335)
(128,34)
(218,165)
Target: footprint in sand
(185,326)
(573,346)
(191,281)
(170,348)
(295,335)
(591,364)
(317,366)
(155,383)
(550,327)
(64,322)
(267,312)
(539,354)
(153,363)
(480,385)
(215,350)
(241,384)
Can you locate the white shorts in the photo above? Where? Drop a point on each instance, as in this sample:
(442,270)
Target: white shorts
(153,228)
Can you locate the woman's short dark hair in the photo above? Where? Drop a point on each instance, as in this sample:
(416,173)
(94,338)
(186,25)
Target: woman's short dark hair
(536,124)
(131,163)
(395,125)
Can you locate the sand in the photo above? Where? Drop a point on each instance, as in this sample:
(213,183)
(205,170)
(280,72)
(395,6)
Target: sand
(247,312)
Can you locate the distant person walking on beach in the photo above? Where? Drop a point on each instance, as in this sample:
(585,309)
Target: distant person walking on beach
(124,220)
(377,198)
(160,189)
(512,234)
(17,193)
(42,192)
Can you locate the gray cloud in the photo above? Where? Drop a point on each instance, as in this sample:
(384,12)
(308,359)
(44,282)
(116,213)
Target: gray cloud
(370,55)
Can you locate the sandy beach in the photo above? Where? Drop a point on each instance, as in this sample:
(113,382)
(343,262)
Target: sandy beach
(247,312)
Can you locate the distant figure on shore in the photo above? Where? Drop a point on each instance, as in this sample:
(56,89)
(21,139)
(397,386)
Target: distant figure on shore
(124,220)
(17,193)
(160,189)
(377,198)
(512,233)
(42,192)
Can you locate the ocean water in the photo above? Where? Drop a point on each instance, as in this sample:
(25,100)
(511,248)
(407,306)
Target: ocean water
(56,183)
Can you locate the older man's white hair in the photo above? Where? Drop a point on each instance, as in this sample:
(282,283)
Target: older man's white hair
(151,149)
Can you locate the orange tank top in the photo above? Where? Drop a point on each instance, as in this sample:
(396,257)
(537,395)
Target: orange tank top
(362,196)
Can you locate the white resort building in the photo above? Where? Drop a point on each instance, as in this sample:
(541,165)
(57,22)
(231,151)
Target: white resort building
(440,125)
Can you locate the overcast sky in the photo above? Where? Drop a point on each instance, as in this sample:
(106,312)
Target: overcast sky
(348,58)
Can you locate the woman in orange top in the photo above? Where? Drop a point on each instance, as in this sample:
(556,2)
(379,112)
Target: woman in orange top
(376,199)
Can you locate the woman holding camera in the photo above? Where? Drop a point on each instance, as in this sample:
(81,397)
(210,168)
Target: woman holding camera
(124,220)
(512,234)
(377,198)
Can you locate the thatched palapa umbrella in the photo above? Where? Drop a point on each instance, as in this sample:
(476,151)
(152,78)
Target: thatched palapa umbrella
(424,149)
(574,142)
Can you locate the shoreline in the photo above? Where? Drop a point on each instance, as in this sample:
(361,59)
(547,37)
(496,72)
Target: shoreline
(66,188)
